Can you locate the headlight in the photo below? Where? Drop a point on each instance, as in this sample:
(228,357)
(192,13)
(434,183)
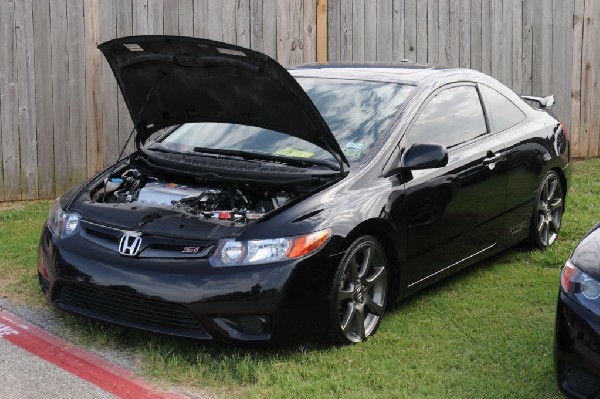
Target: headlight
(577,283)
(237,253)
(61,223)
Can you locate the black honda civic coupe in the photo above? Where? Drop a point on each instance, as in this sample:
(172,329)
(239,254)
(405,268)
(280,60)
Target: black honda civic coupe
(577,335)
(265,204)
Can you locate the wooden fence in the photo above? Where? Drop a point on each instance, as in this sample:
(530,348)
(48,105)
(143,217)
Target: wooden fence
(533,46)
(62,117)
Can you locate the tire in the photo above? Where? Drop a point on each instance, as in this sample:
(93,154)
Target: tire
(547,212)
(359,292)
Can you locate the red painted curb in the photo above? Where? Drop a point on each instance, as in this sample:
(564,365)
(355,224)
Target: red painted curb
(83,364)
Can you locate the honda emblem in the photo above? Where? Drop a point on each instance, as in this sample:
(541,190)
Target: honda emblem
(130,244)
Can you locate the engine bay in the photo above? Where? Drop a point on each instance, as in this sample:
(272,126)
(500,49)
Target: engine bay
(217,200)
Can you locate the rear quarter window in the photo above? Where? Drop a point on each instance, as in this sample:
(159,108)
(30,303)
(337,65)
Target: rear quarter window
(502,112)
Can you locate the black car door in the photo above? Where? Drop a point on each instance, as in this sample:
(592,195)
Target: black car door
(450,210)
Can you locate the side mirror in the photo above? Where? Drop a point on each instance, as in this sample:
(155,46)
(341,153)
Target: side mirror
(424,156)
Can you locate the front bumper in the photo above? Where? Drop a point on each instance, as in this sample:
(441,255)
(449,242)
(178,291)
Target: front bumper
(187,297)
(577,349)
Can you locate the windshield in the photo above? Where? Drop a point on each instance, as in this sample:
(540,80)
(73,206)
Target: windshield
(357,112)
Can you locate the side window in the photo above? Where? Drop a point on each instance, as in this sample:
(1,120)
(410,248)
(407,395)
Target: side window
(502,112)
(452,117)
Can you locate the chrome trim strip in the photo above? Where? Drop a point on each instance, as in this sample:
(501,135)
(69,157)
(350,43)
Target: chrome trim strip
(452,265)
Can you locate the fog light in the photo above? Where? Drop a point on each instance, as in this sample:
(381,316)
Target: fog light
(581,382)
(254,324)
(257,327)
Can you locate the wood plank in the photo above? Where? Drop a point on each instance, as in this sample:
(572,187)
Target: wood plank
(476,35)
(410,30)
(562,22)
(528,12)
(171,17)
(27,111)
(433,56)
(201,18)
(517,46)
(322,31)
(43,102)
(464,52)
(242,23)
(288,50)
(155,17)
(256,25)
(370,30)
(140,17)
(486,36)
(536,52)
(588,106)
(506,43)
(296,17)
(186,18)
(77,112)
(60,95)
(384,30)
(309,31)
(358,30)
(110,96)
(444,33)
(9,102)
(93,101)
(229,34)
(215,21)
(421,57)
(284,34)
(124,27)
(270,28)
(334,50)
(454,33)
(346,22)
(577,40)
(497,39)
(542,49)
(590,119)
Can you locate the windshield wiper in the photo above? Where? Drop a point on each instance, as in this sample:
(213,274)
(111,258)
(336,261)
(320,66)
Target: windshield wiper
(295,161)
(157,147)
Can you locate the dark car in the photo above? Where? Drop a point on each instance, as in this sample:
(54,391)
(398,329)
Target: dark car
(296,203)
(577,336)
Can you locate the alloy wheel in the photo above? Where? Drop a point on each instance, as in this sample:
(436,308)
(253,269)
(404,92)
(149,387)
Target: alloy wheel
(362,292)
(549,210)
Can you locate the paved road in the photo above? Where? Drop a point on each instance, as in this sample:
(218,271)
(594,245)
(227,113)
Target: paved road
(23,375)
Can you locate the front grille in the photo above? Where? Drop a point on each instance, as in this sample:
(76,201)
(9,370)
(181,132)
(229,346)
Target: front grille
(130,310)
(152,246)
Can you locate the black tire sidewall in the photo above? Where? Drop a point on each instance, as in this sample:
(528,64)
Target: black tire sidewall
(335,334)
(534,239)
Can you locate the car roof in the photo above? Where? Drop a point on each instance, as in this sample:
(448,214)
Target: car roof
(405,72)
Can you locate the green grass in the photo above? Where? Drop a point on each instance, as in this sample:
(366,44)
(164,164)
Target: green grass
(486,332)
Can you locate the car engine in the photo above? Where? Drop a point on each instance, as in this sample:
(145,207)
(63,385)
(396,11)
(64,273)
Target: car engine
(213,201)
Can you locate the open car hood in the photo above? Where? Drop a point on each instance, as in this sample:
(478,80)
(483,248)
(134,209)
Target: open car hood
(169,80)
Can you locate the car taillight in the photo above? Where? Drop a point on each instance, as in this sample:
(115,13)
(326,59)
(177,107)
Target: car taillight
(564,128)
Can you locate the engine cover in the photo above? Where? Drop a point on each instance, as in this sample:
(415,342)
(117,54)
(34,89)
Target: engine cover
(167,194)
